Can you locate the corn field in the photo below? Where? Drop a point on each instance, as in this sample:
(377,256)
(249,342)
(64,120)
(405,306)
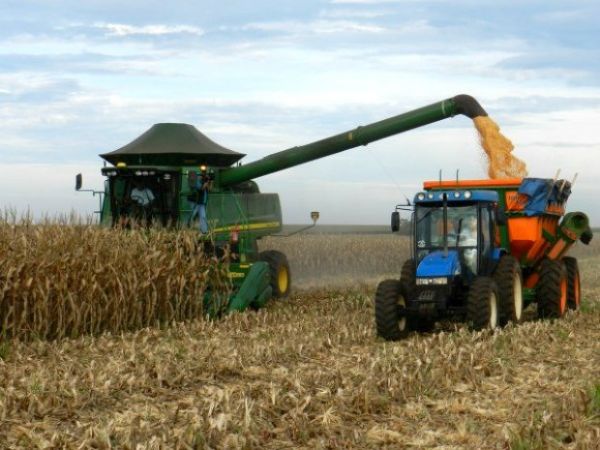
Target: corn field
(62,280)
(307,372)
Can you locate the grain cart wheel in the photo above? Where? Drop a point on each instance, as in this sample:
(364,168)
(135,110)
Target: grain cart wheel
(552,289)
(390,302)
(482,304)
(573,282)
(281,277)
(509,279)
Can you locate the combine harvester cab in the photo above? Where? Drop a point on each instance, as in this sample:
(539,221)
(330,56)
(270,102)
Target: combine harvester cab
(482,251)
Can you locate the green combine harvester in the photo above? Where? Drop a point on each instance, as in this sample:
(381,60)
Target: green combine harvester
(169,156)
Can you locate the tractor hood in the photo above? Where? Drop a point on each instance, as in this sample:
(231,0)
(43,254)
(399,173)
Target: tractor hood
(437,265)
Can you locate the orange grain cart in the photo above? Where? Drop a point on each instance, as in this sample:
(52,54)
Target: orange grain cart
(532,226)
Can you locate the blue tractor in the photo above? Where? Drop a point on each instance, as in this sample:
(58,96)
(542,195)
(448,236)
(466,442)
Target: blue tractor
(482,250)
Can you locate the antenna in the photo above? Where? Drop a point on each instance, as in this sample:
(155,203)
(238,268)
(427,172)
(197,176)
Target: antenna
(574,179)
(440,177)
(457,171)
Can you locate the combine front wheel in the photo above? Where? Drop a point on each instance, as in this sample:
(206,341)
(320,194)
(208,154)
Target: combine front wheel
(510,289)
(390,303)
(281,278)
(552,289)
(573,282)
(482,304)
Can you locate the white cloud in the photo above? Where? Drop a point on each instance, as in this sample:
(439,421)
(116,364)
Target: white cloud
(316,27)
(119,29)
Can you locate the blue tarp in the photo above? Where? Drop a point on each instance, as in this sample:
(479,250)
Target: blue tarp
(543,191)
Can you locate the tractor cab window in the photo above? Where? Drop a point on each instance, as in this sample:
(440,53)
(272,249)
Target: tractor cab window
(144,197)
(461,228)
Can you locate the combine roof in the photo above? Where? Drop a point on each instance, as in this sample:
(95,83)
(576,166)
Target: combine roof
(177,144)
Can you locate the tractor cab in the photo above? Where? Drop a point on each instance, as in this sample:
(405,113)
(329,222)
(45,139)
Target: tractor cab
(454,234)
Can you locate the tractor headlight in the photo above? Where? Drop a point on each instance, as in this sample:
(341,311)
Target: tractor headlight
(432,281)
(467,194)
(456,194)
(430,195)
(420,196)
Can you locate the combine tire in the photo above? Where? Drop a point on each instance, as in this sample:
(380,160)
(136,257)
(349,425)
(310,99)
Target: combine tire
(482,304)
(509,279)
(573,283)
(281,278)
(552,289)
(389,315)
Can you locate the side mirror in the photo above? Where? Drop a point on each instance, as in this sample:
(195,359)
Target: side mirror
(314,215)
(395,221)
(78,182)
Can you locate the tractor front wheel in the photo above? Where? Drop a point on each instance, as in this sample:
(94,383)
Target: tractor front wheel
(552,289)
(281,277)
(573,282)
(482,304)
(510,289)
(390,317)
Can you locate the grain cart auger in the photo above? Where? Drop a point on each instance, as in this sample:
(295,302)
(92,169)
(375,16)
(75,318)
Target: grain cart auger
(167,157)
(482,251)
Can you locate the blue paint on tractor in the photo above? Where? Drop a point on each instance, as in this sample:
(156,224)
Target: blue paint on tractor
(437,265)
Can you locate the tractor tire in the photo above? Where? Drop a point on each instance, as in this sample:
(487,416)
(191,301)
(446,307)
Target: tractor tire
(483,304)
(407,280)
(552,289)
(509,279)
(573,282)
(281,277)
(390,321)
(408,275)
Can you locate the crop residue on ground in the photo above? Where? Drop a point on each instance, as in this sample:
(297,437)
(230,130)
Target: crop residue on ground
(310,373)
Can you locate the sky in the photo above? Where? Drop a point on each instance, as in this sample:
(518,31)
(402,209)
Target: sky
(80,78)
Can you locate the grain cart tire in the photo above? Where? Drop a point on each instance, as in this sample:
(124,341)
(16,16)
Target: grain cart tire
(509,279)
(390,320)
(483,304)
(281,277)
(552,289)
(573,282)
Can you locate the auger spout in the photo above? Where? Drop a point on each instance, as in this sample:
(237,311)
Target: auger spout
(362,135)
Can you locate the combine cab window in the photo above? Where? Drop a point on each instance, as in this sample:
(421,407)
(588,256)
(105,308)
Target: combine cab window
(145,199)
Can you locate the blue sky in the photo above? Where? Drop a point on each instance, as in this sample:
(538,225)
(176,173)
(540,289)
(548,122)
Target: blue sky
(81,78)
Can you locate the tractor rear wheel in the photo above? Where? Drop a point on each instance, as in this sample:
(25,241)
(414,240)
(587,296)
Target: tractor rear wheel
(573,282)
(390,302)
(552,289)
(482,304)
(281,277)
(509,279)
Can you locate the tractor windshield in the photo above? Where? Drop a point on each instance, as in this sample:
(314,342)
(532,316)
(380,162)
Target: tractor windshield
(461,229)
